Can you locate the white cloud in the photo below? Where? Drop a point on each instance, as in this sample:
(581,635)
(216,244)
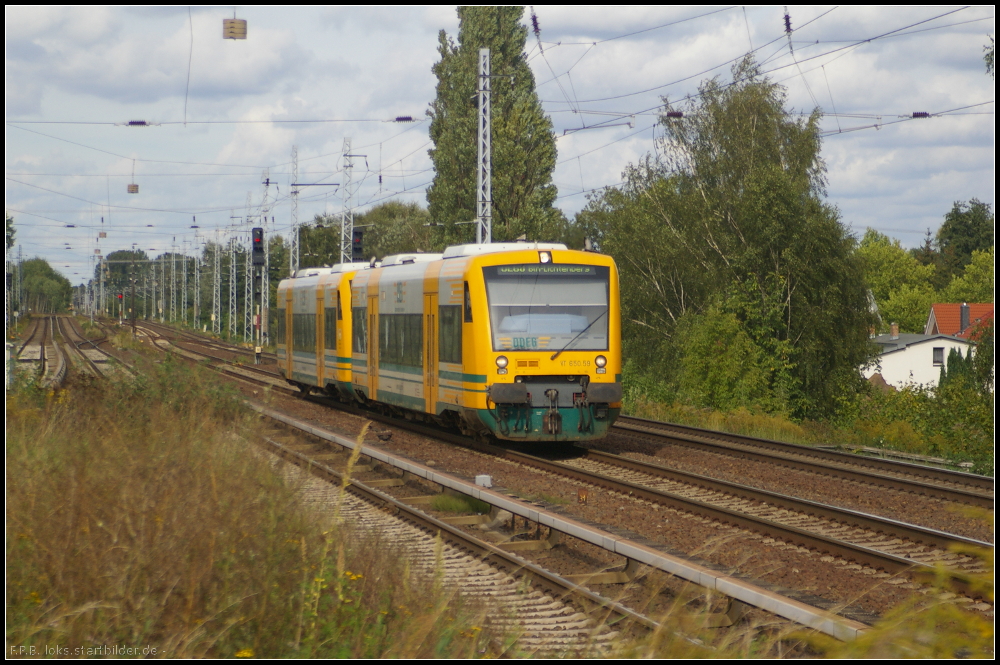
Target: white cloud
(112,64)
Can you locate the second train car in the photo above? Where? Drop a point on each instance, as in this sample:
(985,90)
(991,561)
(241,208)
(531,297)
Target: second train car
(518,340)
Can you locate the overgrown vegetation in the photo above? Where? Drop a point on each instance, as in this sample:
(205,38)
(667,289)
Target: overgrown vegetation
(45,290)
(740,284)
(136,516)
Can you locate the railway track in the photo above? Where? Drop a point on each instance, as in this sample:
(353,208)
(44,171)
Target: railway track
(885,545)
(636,547)
(42,349)
(547,613)
(890,547)
(267,358)
(966,488)
(93,360)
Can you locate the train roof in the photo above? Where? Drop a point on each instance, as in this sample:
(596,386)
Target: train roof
(415,257)
(494,247)
(330,270)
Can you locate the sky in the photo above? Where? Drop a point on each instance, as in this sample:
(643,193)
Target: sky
(223,115)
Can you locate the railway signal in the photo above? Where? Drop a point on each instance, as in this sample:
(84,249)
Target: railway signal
(357,245)
(257,254)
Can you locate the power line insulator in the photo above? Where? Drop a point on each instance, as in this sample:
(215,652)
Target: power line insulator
(675,114)
(137,123)
(921,114)
(404,118)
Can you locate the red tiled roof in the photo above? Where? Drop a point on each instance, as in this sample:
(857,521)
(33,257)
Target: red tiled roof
(946,318)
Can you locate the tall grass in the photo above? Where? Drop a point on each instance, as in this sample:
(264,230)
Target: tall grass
(136,517)
(951,422)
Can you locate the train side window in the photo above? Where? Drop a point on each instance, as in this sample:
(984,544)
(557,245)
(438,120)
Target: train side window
(330,328)
(280,332)
(468,304)
(450,333)
(359,329)
(401,340)
(304,332)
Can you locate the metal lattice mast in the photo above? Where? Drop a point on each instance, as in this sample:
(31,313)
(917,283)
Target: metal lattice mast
(163,289)
(103,301)
(173,282)
(197,290)
(484,199)
(184,284)
(156,297)
(217,288)
(293,252)
(264,210)
(248,286)
(347,216)
(265,285)
(20,279)
(233,303)
(248,300)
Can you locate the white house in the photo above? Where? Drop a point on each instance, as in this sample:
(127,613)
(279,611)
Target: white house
(908,359)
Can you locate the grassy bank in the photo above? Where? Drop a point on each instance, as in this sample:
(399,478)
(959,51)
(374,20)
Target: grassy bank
(952,422)
(136,517)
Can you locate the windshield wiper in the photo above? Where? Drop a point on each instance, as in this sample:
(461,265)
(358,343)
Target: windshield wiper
(596,319)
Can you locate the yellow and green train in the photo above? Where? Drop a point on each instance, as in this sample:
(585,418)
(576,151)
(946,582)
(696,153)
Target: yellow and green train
(521,340)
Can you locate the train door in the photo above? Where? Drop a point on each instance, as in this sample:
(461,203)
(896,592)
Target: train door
(430,349)
(320,337)
(288,331)
(373,347)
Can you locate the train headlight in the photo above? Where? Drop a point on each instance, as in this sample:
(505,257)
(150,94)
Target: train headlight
(545,257)
(501,361)
(600,361)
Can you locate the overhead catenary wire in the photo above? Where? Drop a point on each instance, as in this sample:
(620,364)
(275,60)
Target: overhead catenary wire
(702,73)
(383,170)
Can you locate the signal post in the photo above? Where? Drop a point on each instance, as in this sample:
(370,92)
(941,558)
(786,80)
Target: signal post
(258,261)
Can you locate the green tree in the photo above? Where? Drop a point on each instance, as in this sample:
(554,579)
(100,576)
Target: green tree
(45,290)
(392,227)
(733,217)
(967,227)
(908,306)
(721,364)
(900,284)
(523,145)
(976,283)
(983,358)
(395,227)
(10,231)
(119,269)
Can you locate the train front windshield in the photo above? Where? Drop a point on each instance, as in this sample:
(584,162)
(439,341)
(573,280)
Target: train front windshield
(548,306)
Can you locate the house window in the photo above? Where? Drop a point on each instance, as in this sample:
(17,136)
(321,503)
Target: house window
(938,356)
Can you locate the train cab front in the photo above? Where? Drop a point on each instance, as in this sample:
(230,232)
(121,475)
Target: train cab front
(556,370)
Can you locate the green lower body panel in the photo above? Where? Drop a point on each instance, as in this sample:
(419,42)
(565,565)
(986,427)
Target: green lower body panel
(525,423)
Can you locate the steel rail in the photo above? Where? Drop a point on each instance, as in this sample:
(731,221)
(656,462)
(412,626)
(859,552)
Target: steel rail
(943,475)
(777,452)
(59,372)
(633,547)
(33,330)
(915,533)
(496,557)
(128,367)
(87,361)
(848,551)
